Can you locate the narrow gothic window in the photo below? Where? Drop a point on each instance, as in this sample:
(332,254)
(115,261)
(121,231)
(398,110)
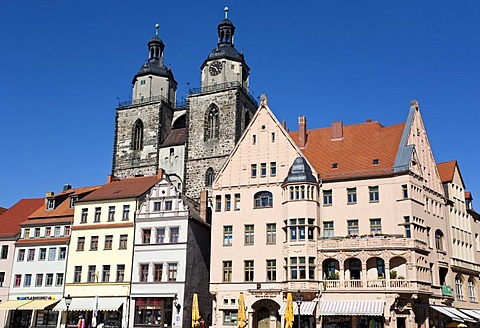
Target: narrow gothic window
(211,123)
(247,118)
(209,177)
(137,135)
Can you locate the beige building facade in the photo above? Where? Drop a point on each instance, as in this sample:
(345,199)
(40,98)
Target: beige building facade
(99,267)
(353,217)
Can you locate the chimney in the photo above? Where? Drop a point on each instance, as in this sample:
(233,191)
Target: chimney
(369,120)
(66,187)
(160,173)
(111,178)
(284,124)
(302,131)
(203,204)
(337,130)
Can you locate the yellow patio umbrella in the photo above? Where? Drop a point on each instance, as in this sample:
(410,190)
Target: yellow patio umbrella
(457,325)
(195,312)
(242,316)
(289,315)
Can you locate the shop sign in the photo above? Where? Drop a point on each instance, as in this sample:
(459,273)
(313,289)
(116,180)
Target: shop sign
(35,298)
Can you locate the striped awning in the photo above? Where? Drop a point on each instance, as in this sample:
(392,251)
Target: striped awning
(367,308)
(473,313)
(87,304)
(37,305)
(444,310)
(306,308)
(13,305)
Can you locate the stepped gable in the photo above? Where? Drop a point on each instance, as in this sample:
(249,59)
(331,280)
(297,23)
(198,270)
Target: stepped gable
(446,170)
(13,217)
(354,149)
(125,188)
(177,137)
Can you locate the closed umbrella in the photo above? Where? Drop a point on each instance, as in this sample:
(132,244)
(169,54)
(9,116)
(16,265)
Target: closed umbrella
(195,312)
(289,315)
(95,312)
(242,316)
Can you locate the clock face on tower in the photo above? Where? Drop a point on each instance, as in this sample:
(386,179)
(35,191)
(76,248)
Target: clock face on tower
(215,68)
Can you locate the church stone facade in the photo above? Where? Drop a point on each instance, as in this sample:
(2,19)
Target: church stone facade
(189,141)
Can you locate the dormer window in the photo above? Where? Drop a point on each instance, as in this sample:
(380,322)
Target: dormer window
(375,161)
(51,204)
(334,165)
(73,199)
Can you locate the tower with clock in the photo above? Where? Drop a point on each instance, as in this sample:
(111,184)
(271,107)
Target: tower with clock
(217,112)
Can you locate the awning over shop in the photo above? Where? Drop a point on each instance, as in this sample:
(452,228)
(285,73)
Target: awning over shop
(306,308)
(367,308)
(445,310)
(13,305)
(37,305)
(87,303)
(473,313)
(461,315)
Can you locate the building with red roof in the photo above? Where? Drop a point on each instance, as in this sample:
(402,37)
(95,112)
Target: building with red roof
(38,269)
(9,232)
(352,216)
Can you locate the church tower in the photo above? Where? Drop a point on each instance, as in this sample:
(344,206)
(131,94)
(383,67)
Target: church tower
(218,112)
(143,123)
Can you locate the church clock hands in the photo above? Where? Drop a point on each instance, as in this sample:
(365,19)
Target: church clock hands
(215,68)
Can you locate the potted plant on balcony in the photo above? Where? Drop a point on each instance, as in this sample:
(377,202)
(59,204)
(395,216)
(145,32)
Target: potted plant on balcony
(333,276)
(393,274)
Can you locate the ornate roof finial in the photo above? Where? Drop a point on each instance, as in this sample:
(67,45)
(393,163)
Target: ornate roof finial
(157,26)
(226,12)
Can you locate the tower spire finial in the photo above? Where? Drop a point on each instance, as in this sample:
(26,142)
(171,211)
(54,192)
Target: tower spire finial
(226,12)
(157,26)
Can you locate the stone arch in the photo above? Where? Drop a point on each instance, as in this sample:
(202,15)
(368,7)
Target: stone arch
(137,135)
(179,122)
(265,311)
(331,269)
(375,268)
(439,240)
(212,122)
(209,177)
(353,268)
(460,287)
(398,267)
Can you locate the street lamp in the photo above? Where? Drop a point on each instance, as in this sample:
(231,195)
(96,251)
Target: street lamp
(298,299)
(68,301)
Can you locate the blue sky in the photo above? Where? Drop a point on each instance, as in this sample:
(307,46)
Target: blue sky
(64,63)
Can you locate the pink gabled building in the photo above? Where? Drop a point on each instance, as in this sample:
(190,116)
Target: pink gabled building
(464,238)
(352,216)
(9,233)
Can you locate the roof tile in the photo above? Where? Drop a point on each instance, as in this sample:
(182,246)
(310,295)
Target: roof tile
(355,152)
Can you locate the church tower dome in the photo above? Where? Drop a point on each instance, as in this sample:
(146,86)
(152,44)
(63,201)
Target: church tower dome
(225,64)
(154,78)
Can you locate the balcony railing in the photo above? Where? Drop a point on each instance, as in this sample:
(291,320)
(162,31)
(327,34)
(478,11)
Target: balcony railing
(146,100)
(378,284)
(222,86)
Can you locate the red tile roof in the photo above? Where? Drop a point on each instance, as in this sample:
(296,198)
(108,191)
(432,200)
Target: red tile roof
(176,137)
(3,210)
(353,154)
(468,195)
(11,219)
(446,170)
(121,189)
(62,204)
